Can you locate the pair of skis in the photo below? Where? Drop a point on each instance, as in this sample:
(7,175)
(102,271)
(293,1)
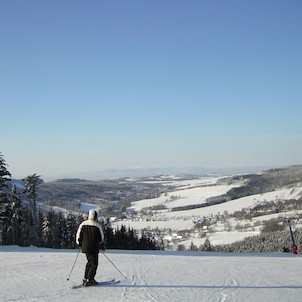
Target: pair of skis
(101,283)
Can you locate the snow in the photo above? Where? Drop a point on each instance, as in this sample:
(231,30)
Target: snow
(191,196)
(196,191)
(32,274)
(240,203)
(218,238)
(184,197)
(180,183)
(86,207)
(198,195)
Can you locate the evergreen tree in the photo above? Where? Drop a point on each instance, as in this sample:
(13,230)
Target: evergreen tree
(121,238)
(46,239)
(31,187)
(109,236)
(127,239)
(5,177)
(71,228)
(38,228)
(132,240)
(5,223)
(146,243)
(59,232)
(17,218)
(207,246)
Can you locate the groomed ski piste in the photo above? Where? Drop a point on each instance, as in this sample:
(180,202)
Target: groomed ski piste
(34,274)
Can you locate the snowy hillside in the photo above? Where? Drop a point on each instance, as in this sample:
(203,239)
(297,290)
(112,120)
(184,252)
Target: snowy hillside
(185,211)
(32,274)
(161,213)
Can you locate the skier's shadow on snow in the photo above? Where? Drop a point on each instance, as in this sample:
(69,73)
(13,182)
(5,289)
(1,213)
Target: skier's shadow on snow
(179,286)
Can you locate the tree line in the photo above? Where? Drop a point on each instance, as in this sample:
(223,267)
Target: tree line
(24,223)
(277,241)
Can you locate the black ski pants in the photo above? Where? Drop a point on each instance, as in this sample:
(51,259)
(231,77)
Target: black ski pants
(91,266)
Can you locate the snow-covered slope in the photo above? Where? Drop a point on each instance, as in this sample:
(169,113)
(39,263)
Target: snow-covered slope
(183,197)
(32,274)
(195,192)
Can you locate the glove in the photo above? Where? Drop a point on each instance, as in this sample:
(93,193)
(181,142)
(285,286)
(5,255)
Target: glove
(103,245)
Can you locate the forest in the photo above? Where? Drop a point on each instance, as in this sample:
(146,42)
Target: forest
(24,223)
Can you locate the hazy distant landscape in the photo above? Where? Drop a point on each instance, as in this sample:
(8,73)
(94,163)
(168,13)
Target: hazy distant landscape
(190,211)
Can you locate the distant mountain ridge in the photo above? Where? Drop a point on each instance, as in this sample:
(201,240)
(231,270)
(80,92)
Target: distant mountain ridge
(154,171)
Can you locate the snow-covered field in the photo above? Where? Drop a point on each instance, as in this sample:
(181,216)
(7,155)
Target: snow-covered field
(32,274)
(187,192)
(196,191)
(189,196)
(192,192)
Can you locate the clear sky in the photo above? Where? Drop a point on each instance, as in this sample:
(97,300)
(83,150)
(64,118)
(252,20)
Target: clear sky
(92,85)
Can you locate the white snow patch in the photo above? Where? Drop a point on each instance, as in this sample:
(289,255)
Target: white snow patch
(86,207)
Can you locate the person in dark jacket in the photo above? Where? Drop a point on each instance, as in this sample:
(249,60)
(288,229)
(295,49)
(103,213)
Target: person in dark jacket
(89,237)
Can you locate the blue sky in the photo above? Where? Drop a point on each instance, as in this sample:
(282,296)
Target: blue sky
(92,85)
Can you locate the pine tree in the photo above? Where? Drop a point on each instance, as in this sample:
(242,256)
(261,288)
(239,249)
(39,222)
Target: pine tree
(121,238)
(207,245)
(5,223)
(132,239)
(17,219)
(71,228)
(38,228)
(31,187)
(5,177)
(109,234)
(46,231)
(59,231)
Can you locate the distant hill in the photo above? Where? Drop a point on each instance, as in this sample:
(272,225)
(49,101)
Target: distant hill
(70,192)
(268,180)
(153,171)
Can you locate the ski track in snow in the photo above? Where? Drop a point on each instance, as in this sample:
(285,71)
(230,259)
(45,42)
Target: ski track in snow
(32,274)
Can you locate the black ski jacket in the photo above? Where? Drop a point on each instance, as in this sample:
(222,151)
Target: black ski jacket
(89,236)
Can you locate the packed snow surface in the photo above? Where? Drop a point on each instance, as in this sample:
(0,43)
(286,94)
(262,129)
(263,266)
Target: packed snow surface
(32,274)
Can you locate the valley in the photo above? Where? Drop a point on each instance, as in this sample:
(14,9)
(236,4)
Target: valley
(189,211)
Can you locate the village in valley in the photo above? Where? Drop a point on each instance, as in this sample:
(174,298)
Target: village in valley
(190,212)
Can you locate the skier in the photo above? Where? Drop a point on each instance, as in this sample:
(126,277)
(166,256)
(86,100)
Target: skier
(294,246)
(90,238)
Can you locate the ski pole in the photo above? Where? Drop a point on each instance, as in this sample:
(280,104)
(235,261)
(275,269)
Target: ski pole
(294,246)
(114,265)
(73,264)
